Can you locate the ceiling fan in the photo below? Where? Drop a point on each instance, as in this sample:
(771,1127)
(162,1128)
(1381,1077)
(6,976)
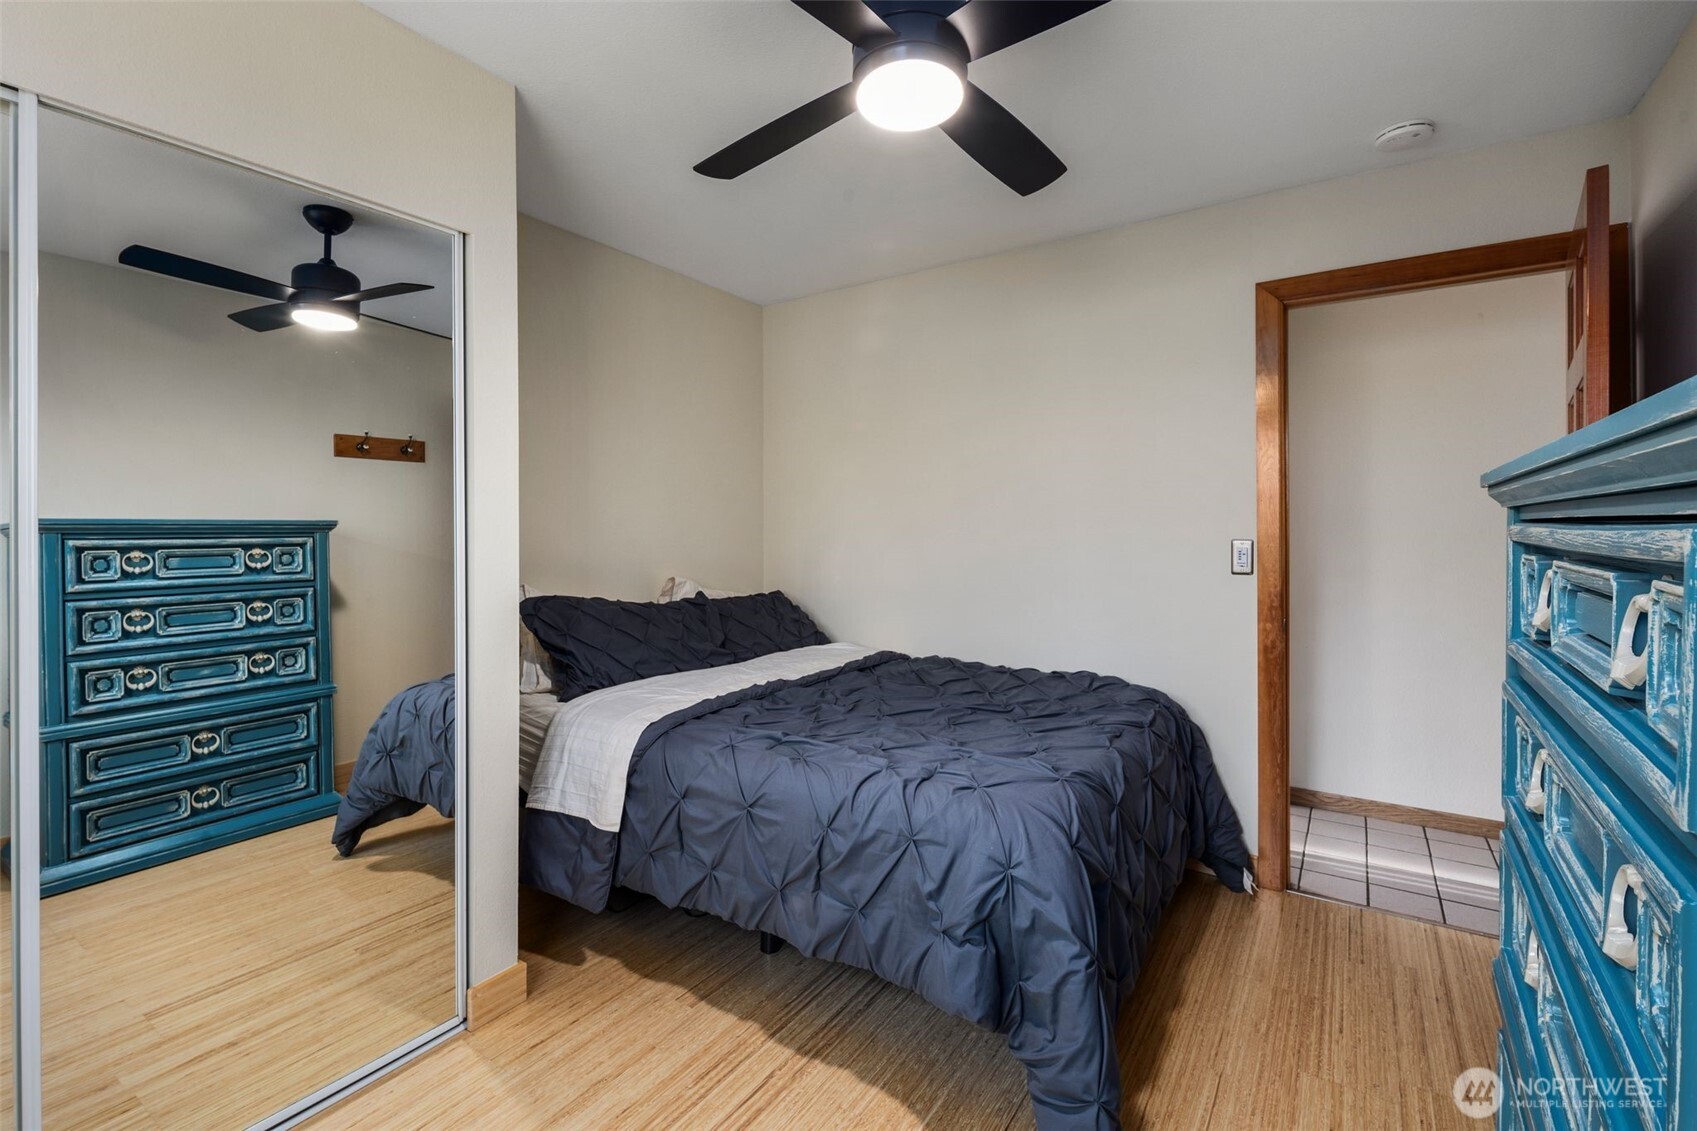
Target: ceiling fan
(320,294)
(910,60)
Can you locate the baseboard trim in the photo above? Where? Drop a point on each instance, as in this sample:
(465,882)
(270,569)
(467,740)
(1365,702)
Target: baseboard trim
(344,771)
(495,996)
(1405,814)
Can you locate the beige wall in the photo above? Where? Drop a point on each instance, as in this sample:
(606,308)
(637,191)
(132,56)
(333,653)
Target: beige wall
(1664,209)
(1664,137)
(429,135)
(1396,555)
(640,451)
(1040,457)
(215,421)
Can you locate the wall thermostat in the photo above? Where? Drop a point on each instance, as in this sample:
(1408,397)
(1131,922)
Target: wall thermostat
(1243,555)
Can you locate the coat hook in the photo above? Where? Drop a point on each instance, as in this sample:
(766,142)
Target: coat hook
(406,448)
(364,445)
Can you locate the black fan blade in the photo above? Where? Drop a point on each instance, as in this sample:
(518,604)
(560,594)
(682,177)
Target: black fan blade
(195,271)
(1000,142)
(851,19)
(263,318)
(942,9)
(990,25)
(389,291)
(774,137)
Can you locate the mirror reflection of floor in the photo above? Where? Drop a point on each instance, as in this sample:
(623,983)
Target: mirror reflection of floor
(214,990)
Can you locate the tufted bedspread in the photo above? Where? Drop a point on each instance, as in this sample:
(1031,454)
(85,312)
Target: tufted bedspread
(1001,841)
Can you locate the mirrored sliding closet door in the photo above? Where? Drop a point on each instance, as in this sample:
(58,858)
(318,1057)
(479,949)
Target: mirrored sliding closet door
(246,491)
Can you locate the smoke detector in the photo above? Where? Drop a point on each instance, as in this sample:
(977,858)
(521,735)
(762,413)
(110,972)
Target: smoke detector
(1405,135)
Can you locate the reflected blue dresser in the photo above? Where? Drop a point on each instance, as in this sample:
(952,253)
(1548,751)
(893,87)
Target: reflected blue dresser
(186,691)
(1599,868)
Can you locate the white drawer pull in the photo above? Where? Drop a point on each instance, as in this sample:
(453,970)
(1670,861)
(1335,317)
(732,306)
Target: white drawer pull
(204,743)
(1534,799)
(140,679)
(204,798)
(1629,667)
(1619,943)
(261,662)
(1543,613)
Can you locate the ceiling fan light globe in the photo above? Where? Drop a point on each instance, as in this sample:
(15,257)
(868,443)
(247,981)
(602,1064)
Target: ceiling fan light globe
(323,316)
(908,94)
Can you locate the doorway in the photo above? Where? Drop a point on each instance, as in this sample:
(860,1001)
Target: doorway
(1396,617)
(1273,302)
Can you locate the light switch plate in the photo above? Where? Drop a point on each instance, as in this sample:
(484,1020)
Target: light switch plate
(1243,555)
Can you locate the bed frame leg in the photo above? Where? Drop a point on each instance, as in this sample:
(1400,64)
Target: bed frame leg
(770,943)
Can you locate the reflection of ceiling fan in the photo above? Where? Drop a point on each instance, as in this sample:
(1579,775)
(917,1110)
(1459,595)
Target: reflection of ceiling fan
(320,295)
(910,61)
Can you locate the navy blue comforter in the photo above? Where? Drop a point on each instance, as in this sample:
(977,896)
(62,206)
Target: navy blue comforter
(405,763)
(1001,841)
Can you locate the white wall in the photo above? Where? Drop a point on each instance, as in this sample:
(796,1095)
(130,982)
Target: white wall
(411,127)
(1396,555)
(640,451)
(1040,457)
(215,421)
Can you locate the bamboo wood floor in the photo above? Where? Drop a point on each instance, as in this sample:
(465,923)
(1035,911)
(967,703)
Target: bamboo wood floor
(1276,1012)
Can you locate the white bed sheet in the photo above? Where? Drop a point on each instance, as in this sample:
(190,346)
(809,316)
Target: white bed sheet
(584,764)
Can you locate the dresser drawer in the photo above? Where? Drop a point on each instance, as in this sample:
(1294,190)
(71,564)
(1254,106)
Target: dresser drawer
(1620,908)
(1598,624)
(101,824)
(105,684)
(1619,732)
(103,625)
(1619,659)
(99,564)
(1613,1084)
(1532,1096)
(1607,871)
(129,758)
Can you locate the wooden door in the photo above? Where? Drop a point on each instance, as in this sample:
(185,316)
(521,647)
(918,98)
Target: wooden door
(1599,309)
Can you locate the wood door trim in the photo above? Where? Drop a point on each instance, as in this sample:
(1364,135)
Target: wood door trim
(1273,302)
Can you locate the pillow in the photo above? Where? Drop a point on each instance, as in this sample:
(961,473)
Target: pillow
(598,643)
(536,670)
(763,623)
(678,588)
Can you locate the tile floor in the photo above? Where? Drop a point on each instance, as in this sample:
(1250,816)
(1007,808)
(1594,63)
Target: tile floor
(1408,870)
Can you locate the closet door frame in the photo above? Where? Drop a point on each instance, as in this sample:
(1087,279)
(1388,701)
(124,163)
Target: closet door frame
(23,581)
(23,576)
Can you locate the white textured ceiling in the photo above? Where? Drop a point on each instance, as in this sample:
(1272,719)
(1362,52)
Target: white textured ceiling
(1155,107)
(103,189)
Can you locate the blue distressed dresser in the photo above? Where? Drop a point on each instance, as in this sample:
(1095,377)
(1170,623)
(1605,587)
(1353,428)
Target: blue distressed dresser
(186,694)
(1599,862)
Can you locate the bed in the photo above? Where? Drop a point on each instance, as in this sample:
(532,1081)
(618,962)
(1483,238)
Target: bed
(999,840)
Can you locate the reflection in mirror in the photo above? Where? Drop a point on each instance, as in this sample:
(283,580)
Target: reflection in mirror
(227,608)
(8,202)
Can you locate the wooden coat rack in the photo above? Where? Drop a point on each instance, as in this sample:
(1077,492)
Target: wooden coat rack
(367,446)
